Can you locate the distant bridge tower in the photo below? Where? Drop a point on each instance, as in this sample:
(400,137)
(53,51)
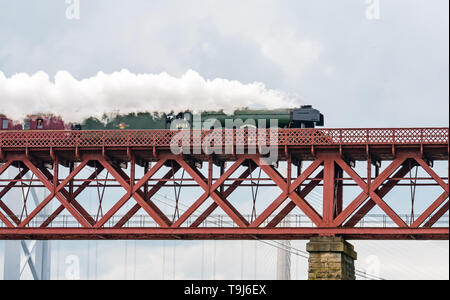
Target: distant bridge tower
(36,255)
(284,257)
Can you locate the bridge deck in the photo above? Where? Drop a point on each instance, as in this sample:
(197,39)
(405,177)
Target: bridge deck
(302,143)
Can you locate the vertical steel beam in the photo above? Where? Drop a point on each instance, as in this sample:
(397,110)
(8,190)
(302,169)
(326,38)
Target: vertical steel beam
(328,191)
(339,192)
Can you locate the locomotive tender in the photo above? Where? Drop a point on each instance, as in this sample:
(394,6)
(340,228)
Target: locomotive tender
(303,117)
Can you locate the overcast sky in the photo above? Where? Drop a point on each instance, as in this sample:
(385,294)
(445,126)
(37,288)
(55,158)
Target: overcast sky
(392,71)
(370,73)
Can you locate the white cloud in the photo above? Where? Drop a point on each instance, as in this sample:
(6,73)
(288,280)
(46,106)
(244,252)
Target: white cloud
(127,92)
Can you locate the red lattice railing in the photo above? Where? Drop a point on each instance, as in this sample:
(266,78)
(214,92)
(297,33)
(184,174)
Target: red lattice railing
(281,137)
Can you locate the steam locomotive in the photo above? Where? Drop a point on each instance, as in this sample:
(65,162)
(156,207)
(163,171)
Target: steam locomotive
(303,117)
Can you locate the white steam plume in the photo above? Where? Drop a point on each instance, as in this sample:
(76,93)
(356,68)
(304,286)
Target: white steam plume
(125,92)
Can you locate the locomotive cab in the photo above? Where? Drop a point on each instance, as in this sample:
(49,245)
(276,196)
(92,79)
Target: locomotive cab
(306,117)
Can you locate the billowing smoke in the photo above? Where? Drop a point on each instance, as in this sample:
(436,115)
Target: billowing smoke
(125,92)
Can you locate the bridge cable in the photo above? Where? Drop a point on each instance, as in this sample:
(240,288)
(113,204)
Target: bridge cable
(203,261)
(214,258)
(88,259)
(164,260)
(292,250)
(126,259)
(96,262)
(301,253)
(174,261)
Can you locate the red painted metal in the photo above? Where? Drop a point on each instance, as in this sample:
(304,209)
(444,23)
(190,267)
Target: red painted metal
(163,138)
(329,153)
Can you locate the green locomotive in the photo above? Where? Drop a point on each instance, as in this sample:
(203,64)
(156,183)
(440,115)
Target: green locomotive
(303,117)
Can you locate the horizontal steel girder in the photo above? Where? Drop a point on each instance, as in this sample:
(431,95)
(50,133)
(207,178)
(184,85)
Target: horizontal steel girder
(225,233)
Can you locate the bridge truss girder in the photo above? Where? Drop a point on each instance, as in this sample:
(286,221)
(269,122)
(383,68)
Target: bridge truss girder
(326,169)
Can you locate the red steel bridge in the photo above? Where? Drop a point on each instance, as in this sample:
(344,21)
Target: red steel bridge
(140,163)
